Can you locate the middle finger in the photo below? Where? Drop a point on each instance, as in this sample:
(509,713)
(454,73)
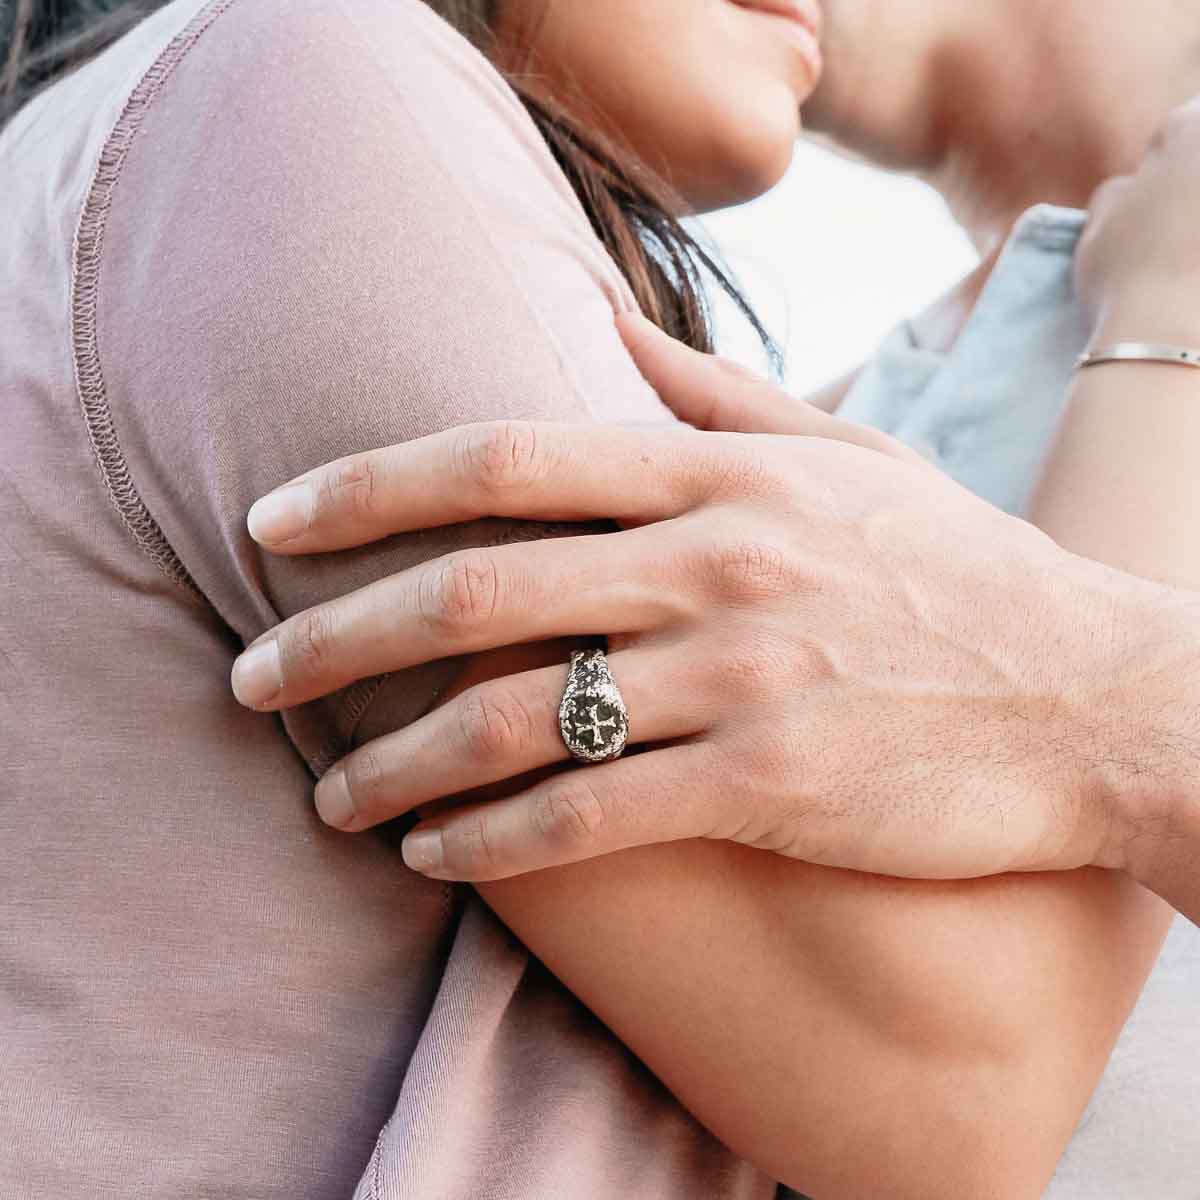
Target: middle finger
(465,602)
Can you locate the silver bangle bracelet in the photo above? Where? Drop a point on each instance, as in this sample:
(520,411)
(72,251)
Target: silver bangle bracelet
(1181,356)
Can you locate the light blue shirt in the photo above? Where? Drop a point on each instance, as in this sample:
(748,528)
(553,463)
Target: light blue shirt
(985,413)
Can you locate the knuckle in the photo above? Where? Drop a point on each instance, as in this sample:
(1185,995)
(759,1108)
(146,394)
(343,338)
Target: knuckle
(569,816)
(740,475)
(360,484)
(495,725)
(312,642)
(501,456)
(350,485)
(468,849)
(745,571)
(460,594)
(365,782)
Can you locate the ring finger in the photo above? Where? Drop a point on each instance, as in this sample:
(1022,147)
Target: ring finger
(494,731)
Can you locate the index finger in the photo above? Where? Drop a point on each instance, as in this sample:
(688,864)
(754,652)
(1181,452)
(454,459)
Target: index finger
(533,470)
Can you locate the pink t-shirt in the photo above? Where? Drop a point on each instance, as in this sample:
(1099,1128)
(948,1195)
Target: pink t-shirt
(252,236)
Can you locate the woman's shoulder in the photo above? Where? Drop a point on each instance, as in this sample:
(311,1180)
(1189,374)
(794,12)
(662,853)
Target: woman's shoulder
(365,70)
(376,84)
(260,118)
(288,167)
(284,44)
(305,228)
(382,86)
(333,226)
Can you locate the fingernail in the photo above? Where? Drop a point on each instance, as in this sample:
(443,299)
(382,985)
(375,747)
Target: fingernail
(281,515)
(333,798)
(257,674)
(423,851)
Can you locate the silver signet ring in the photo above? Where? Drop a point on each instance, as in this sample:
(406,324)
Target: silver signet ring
(592,716)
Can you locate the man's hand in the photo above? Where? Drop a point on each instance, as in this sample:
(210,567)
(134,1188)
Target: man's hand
(828,649)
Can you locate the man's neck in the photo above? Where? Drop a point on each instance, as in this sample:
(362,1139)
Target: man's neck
(1028,101)
(1075,102)
(1079,105)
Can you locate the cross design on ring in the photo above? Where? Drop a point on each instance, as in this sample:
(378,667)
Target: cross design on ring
(590,688)
(596,728)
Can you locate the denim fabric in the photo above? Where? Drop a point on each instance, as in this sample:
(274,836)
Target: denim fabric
(985,411)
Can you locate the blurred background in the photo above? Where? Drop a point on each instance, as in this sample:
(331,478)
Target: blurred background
(831,260)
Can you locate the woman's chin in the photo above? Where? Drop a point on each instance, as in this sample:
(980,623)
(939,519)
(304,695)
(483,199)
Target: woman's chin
(771,168)
(743,179)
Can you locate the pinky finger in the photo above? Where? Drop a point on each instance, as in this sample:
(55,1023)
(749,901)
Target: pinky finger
(662,795)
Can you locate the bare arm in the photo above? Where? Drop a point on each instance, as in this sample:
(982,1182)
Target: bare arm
(801,1011)
(850,1034)
(957,1029)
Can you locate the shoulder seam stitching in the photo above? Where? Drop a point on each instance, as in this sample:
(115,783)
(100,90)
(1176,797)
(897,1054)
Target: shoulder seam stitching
(85,278)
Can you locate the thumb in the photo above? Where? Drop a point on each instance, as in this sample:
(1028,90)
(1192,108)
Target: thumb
(710,392)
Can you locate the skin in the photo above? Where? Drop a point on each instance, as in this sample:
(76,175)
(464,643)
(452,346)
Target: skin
(954,1028)
(1138,269)
(920,85)
(960,94)
(705,92)
(893,90)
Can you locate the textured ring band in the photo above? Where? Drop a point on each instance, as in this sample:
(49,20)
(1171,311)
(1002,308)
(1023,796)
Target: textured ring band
(592,717)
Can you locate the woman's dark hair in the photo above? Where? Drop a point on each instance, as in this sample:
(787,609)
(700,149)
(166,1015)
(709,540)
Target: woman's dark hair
(630,208)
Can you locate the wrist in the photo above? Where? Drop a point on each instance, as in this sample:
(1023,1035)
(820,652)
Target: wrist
(1162,314)
(1141,766)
